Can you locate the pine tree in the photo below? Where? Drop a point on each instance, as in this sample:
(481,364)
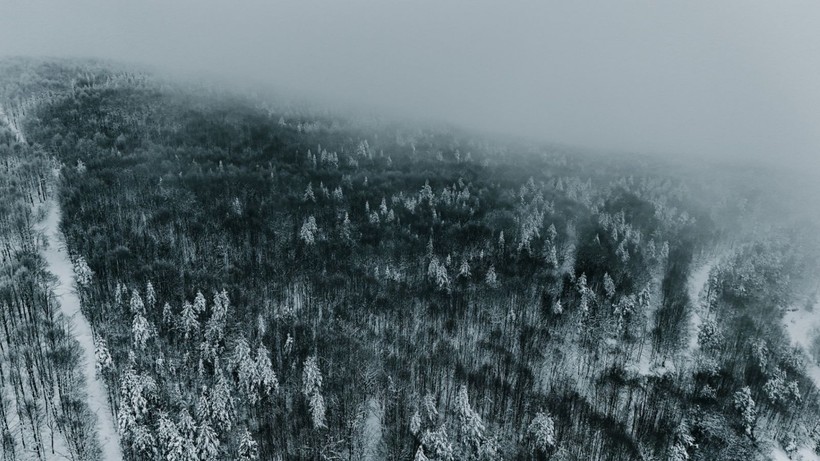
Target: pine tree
(584,292)
(470,423)
(308,195)
(199,303)
(551,256)
(136,305)
(346,231)
(221,403)
(245,368)
(438,274)
(207,443)
(150,295)
(187,430)
(542,432)
(415,423)
(308,231)
(171,442)
(337,194)
(491,278)
(312,387)
(103,360)
(188,322)
(267,381)
(552,233)
(557,307)
(83,274)
(464,270)
(141,331)
(609,286)
(746,407)
(438,443)
(248,448)
(167,314)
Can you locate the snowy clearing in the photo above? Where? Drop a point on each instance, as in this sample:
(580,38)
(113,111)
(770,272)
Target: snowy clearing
(59,264)
(698,284)
(800,323)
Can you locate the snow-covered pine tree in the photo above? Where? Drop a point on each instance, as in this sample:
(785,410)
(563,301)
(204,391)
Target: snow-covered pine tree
(308,231)
(188,323)
(267,381)
(167,314)
(199,303)
(609,286)
(542,432)
(141,331)
(491,279)
(248,448)
(312,387)
(136,305)
(308,196)
(207,443)
(744,404)
(150,295)
(82,272)
(103,360)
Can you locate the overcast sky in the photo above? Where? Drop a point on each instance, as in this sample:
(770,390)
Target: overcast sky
(736,79)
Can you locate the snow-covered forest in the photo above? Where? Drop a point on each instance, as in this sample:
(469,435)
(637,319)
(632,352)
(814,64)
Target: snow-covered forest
(258,280)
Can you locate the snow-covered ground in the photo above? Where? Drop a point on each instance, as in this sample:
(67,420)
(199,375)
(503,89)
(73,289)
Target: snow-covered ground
(4,119)
(59,264)
(698,284)
(801,323)
(803,454)
(373,429)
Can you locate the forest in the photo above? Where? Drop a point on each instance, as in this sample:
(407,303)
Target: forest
(268,280)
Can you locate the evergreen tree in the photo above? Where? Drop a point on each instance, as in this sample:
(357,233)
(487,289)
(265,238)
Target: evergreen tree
(308,231)
(312,387)
(207,443)
(188,323)
(746,407)
(248,448)
(542,432)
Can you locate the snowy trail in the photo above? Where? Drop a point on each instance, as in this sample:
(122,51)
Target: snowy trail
(373,429)
(698,283)
(59,264)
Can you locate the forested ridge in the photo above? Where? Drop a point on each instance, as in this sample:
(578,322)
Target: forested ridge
(272,281)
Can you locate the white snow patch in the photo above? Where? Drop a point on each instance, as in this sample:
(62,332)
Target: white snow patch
(373,429)
(698,284)
(4,119)
(60,265)
(803,454)
(801,323)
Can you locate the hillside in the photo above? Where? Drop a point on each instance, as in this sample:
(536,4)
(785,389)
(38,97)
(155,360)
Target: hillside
(272,281)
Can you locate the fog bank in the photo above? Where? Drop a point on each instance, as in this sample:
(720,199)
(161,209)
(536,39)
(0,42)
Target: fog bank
(732,79)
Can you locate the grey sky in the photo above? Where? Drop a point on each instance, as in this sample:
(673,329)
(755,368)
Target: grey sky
(729,78)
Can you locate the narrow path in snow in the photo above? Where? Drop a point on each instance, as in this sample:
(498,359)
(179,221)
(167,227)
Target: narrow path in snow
(59,264)
(373,429)
(698,284)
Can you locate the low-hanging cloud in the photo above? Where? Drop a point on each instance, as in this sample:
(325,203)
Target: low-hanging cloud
(732,79)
